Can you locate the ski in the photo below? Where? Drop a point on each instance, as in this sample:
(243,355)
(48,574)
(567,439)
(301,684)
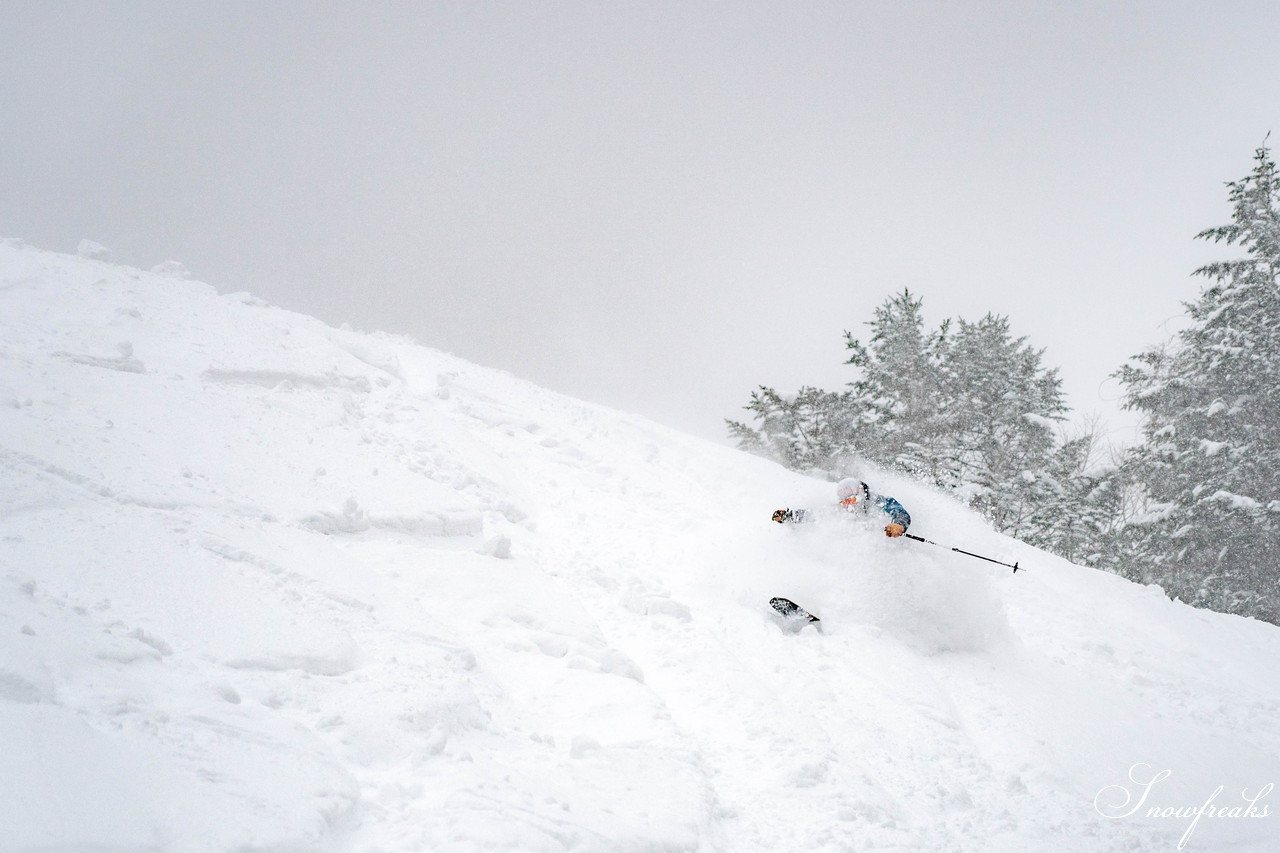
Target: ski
(793,617)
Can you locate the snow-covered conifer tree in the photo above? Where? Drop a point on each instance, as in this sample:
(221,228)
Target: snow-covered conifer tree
(811,430)
(1079,510)
(1001,405)
(1211,398)
(897,392)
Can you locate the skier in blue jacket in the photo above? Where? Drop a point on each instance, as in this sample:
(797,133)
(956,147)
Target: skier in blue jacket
(855,496)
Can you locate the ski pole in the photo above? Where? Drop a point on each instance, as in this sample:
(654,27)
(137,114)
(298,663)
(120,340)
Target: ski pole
(1014,565)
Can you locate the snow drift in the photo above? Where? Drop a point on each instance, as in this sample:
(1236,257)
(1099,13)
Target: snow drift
(269,585)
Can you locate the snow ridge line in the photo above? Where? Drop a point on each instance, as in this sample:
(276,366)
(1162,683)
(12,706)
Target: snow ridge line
(86,483)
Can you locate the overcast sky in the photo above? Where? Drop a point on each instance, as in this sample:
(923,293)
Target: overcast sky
(656,206)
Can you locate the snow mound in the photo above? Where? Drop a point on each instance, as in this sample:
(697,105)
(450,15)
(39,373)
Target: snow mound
(171,269)
(92,251)
(271,585)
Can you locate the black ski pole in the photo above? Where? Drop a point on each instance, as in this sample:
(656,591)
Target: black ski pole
(1014,565)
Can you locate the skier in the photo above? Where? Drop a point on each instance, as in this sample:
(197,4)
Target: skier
(856,497)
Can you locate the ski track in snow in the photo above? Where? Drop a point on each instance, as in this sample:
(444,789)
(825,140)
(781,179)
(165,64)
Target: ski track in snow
(269,585)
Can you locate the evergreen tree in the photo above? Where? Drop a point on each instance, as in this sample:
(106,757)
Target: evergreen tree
(1210,454)
(896,395)
(889,414)
(1001,406)
(811,431)
(1079,513)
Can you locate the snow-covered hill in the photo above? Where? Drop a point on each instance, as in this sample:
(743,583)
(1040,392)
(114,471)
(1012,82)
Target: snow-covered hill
(266,585)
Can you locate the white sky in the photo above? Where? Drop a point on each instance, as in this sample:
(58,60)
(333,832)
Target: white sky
(656,206)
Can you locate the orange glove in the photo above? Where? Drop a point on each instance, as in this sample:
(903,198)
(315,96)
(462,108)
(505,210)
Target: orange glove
(894,530)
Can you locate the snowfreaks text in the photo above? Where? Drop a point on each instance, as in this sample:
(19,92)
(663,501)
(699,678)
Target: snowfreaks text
(1117,801)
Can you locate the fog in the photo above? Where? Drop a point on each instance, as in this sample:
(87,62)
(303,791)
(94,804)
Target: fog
(653,206)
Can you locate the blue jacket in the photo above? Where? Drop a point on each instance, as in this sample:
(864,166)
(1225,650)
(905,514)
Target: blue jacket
(897,512)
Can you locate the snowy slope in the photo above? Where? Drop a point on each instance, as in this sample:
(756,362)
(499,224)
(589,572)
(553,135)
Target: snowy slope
(268,585)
